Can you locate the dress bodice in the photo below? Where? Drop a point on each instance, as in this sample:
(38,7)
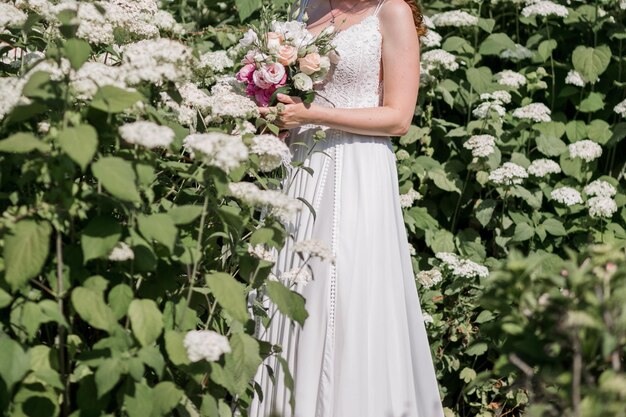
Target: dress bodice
(355,81)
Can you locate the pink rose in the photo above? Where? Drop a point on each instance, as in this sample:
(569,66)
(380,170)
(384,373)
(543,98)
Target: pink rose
(249,58)
(287,54)
(269,75)
(310,63)
(263,97)
(274,40)
(245,73)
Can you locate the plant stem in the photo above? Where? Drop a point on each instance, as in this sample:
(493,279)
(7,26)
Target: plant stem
(458,202)
(60,328)
(196,262)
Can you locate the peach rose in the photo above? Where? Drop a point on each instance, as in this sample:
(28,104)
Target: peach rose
(274,40)
(310,63)
(287,54)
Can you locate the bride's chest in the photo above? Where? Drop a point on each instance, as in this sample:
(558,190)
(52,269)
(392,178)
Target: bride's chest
(359,46)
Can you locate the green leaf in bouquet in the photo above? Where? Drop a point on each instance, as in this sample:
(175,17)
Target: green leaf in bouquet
(79,143)
(23,143)
(25,251)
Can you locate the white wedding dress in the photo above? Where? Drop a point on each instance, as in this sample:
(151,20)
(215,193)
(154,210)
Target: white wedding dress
(363,351)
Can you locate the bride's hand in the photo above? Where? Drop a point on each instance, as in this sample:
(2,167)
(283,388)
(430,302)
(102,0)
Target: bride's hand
(294,114)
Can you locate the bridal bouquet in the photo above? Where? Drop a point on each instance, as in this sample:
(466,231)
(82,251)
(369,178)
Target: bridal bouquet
(284,57)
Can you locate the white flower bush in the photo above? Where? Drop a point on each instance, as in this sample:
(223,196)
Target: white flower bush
(587,150)
(536,112)
(509,173)
(566,195)
(205,345)
(147,134)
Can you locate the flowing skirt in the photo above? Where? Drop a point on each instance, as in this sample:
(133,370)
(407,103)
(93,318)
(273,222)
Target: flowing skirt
(363,351)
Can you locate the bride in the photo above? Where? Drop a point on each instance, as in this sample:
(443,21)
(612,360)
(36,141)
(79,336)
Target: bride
(363,351)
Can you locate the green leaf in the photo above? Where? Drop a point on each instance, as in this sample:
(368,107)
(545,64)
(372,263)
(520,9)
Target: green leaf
(247,7)
(591,62)
(91,307)
(5,298)
(77,51)
(467,375)
(484,211)
(120,298)
(230,294)
(165,396)
(240,364)
(99,237)
(479,79)
(545,49)
(159,227)
(138,403)
(496,43)
(550,145)
(14,362)
(112,99)
(593,102)
(486,24)
(476,349)
(523,231)
(151,356)
(554,227)
(288,302)
(599,131)
(23,143)
(175,349)
(576,130)
(443,181)
(146,321)
(79,143)
(25,251)
(484,317)
(118,177)
(107,375)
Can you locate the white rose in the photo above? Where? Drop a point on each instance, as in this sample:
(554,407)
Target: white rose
(325,63)
(302,82)
(249,38)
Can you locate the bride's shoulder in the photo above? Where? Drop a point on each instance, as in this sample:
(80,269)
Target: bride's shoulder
(395,11)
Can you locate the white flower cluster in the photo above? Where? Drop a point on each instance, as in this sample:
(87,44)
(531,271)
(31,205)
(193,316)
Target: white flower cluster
(487,108)
(456,18)
(226,102)
(622,4)
(298,275)
(519,53)
(315,248)
(272,152)
(439,59)
(259,251)
(11,94)
(407,199)
(600,188)
(542,167)
(205,344)
(481,145)
(10,16)
(601,206)
(121,252)
(428,319)
(93,75)
(147,134)
(566,195)
(57,71)
(156,61)
(510,78)
(280,204)
(217,149)
(585,149)
(463,268)
(574,78)
(194,102)
(431,40)
(428,279)
(498,96)
(620,108)
(544,8)
(293,31)
(216,61)
(508,174)
(537,112)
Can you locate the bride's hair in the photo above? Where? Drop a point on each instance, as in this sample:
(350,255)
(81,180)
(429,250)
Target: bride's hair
(417,17)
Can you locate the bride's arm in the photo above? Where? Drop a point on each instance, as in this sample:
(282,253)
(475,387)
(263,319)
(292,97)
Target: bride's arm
(400,58)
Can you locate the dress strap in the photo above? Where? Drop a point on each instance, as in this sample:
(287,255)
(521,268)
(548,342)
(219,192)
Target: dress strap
(380,5)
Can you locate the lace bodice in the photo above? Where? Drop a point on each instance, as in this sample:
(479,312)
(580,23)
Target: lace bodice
(354,81)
